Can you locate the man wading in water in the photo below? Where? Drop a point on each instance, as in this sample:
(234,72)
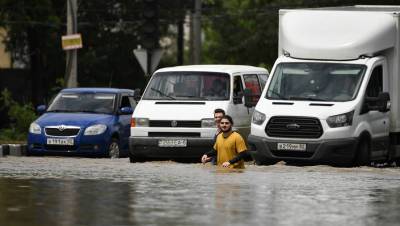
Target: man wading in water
(229,147)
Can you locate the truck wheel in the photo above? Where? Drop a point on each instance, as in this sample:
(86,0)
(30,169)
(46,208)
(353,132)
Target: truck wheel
(363,153)
(113,149)
(133,159)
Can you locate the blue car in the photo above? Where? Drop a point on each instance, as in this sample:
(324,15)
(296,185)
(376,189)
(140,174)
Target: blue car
(87,121)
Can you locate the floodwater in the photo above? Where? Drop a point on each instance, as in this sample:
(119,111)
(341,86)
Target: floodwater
(49,191)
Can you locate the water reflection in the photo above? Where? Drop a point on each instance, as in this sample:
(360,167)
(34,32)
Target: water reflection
(103,192)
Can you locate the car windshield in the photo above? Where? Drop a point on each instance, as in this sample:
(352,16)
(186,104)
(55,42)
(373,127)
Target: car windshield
(188,86)
(316,81)
(83,102)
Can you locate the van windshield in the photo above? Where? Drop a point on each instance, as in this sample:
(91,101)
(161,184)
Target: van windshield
(83,102)
(188,86)
(316,81)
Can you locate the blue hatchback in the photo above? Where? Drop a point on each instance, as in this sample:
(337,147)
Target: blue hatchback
(89,121)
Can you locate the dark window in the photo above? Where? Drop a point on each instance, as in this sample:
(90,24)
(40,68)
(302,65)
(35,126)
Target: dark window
(251,82)
(375,84)
(125,102)
(237,86)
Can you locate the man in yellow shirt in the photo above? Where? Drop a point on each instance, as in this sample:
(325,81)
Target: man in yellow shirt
(229,147)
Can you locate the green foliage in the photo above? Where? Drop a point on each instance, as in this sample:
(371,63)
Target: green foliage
(21,115)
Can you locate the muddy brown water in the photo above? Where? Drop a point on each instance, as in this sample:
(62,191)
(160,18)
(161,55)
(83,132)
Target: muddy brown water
(49,191)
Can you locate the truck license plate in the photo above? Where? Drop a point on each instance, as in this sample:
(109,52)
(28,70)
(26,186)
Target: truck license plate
(60,141)
(292,147)
(172,143)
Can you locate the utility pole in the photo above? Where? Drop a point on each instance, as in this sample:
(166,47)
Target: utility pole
(71,77)
(196,32)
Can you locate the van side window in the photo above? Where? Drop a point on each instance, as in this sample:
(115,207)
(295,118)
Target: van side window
(237,86)
(375,84)
(263,80)
(251,82)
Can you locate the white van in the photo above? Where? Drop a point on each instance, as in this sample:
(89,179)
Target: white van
(175,117)
(327,99)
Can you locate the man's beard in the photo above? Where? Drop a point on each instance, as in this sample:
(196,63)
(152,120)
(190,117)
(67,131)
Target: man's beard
(227,130)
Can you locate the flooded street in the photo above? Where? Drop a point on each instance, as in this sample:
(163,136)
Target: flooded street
(50,191)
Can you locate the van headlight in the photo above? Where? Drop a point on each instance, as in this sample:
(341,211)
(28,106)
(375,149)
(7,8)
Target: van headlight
(207,123)
(95,129)
(258,117)
(139,122)
(35,128)
(341,120)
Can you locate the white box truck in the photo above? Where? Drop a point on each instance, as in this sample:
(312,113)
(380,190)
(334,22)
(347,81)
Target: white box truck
(327,99)
(175,117)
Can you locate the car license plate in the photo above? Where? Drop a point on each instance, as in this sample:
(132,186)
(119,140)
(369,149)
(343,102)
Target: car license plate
(292,147)
(172,143)
(60,141)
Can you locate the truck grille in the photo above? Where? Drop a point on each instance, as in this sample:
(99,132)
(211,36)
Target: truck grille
(298,127)
(173,134)
(63,132)
(173,123)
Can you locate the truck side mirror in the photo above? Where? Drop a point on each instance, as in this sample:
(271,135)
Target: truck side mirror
(136,94)
(41,109)
(248,98)
(380,103)
(384,102)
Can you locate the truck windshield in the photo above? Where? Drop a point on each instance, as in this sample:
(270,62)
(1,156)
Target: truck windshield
(83,102)
(188,86)
(316,81)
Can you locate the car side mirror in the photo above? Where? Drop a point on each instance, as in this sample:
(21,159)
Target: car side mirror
(248,98)
(41,109)
(126,110)
(137,95)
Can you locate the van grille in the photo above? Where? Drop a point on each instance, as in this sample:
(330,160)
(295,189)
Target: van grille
(172,123)
(298,127)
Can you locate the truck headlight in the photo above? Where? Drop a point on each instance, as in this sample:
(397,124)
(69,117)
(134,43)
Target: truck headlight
(35,128)
(207,123)
(139,122)
(340,120)
(258,117)
(95,129)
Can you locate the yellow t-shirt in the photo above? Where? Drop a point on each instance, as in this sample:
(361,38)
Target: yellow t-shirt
(228,148)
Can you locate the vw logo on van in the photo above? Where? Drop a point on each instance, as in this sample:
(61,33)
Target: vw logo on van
(62,127)
(174,123)
(293,126)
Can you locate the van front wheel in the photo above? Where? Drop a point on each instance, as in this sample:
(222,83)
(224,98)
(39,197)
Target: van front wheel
(363,153)
(261,160)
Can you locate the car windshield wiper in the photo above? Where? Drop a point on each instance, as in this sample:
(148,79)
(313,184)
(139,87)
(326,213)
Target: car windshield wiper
(162,93)
(58,110)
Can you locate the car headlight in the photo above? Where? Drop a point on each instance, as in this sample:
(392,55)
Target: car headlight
(35,128)
(340,120)
(139,122)
(95,129)
(258,117)
(207,123)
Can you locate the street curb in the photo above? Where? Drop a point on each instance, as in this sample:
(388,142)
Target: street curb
(13,150)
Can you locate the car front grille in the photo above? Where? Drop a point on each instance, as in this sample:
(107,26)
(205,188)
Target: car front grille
(62,131)
(294,127)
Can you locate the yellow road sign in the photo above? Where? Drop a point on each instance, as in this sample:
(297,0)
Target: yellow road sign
(71,41)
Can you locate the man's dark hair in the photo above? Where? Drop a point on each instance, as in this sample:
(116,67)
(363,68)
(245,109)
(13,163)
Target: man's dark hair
(219,110)
(229,118)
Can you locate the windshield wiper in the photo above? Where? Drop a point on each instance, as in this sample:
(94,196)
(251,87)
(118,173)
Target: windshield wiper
(57,110)
(306,98)
(162,93)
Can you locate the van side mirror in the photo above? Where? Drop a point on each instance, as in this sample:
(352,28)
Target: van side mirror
(380,103)
(249,98)
(136,94)
(41,109)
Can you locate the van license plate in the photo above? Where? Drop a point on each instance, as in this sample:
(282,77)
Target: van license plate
(60,141)
(292,147)
(172,143)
